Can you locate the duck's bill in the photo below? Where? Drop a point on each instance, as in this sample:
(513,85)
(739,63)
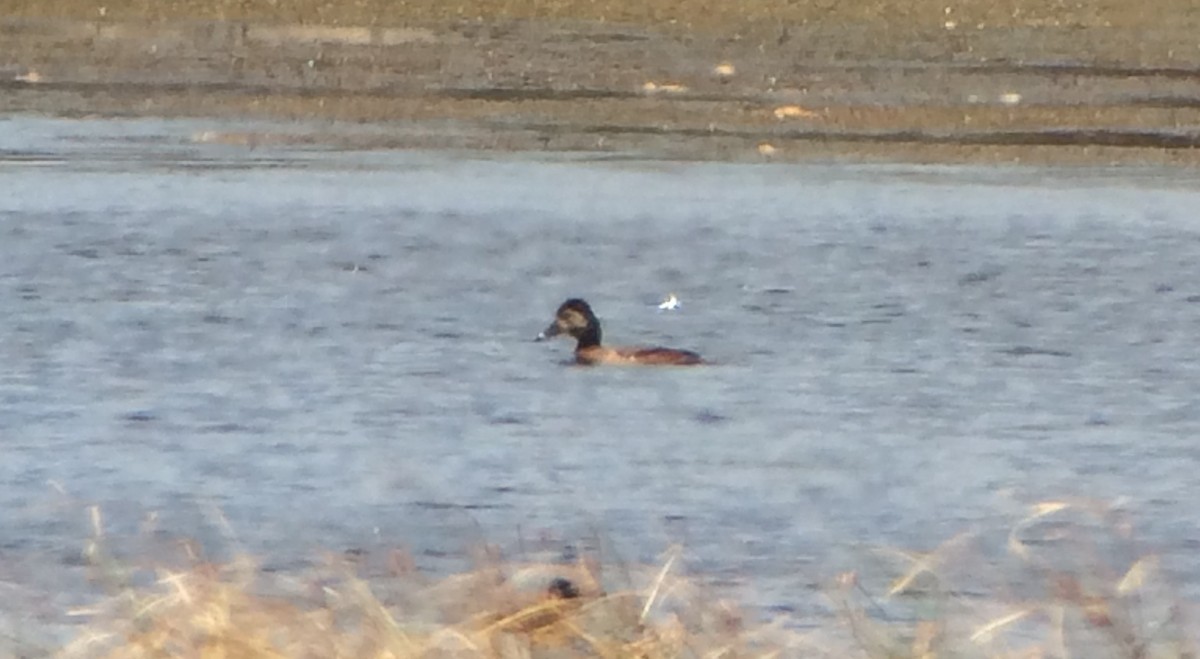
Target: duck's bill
(549,333)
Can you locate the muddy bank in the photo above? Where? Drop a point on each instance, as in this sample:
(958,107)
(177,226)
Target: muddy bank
(962,82)
(891,20)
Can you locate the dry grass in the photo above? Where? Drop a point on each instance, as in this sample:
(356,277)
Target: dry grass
(1067,581)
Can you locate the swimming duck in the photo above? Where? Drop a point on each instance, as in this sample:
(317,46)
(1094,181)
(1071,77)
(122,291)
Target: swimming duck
(575,317)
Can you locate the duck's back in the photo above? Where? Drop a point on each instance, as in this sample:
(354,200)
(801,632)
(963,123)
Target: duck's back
(654,356)
(666,356)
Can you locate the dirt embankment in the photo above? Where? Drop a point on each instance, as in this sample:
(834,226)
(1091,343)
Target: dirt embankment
(918,80)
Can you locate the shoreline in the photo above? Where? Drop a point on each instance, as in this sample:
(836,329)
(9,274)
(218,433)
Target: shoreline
(1044,95)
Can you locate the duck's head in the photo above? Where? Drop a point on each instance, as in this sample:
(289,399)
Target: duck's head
(575,318)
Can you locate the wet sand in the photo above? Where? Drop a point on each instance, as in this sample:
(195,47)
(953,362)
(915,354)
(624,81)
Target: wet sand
(900,81)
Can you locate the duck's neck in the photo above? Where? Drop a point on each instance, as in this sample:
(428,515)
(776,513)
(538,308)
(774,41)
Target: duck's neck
(589,338)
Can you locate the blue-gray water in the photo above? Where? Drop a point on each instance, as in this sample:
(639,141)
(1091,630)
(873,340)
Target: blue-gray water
(334,350)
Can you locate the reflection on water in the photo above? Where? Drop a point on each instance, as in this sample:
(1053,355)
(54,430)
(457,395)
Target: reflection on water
(334,350)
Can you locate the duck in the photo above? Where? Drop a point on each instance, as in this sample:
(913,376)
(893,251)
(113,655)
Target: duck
(575,318)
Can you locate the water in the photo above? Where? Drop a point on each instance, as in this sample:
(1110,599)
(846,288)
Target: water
(334,350)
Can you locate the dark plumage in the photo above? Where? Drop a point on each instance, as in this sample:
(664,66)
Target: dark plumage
(575,318)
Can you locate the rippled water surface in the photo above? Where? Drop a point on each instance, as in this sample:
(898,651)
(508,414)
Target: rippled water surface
(334,350)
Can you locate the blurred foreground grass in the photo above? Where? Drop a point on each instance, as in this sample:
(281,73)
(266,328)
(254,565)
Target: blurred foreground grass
(1064,584)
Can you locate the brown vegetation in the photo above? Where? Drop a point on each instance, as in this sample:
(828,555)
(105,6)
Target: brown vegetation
(1060,588)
